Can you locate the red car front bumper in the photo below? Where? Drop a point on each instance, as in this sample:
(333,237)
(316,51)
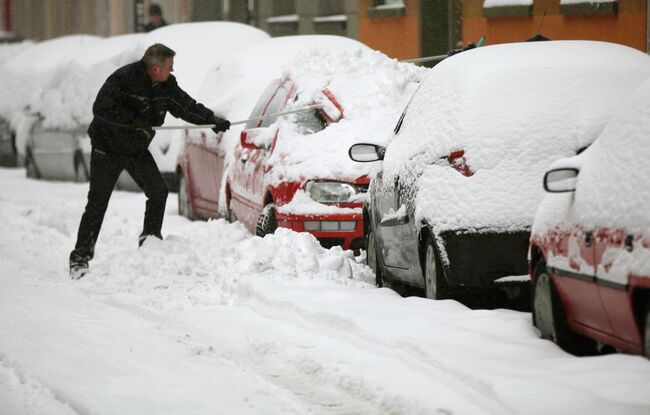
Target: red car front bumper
(347,239)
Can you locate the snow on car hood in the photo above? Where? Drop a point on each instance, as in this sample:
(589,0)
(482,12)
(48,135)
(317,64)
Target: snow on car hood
(371,88)
(513,109)
(612,189)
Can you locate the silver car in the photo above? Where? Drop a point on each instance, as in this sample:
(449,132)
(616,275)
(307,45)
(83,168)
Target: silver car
(57,154)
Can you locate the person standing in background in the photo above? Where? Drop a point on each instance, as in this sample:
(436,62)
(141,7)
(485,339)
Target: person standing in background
(155,18)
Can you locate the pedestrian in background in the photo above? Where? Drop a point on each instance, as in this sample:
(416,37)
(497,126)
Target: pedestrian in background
(155,18)
(133,99)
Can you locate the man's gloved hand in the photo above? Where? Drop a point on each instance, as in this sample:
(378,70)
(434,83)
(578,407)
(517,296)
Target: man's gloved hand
(143,128)
(221,125)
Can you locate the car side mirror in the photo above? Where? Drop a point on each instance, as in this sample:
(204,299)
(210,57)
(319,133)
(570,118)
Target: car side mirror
(363,152)
(561,180)
(258,138)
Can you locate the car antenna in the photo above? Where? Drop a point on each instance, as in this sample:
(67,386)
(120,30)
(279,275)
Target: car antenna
(539,29)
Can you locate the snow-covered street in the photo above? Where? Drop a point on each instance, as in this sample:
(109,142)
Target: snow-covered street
(215,320)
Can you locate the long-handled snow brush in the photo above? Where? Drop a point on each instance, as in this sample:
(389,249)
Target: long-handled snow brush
(277,114)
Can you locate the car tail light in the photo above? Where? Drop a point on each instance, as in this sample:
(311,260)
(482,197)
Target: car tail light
(457,160)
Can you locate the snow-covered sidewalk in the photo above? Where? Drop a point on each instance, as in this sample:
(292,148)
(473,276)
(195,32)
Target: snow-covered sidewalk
(215,320)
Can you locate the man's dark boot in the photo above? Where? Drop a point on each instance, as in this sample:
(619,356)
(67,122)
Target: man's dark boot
(143,238)
(78,270)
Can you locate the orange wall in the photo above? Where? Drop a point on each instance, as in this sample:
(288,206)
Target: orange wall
(627,27)
(397,37)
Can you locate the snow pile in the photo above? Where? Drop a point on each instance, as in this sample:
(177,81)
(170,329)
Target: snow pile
(371,88)
(213,265)
(611,192)
(513,109)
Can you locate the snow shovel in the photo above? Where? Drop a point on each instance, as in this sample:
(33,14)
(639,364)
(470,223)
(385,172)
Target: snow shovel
(277,114)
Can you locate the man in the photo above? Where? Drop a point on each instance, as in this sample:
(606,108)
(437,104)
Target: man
(155,18)
(133,99)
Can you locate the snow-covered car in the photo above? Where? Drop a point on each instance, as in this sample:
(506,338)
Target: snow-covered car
(590,244)
(293,171)
(57,146)
(232,90)
(24,70)
(57,154)
(453,203)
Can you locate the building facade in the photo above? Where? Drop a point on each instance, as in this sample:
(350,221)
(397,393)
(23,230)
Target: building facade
(402,29)
(617,21)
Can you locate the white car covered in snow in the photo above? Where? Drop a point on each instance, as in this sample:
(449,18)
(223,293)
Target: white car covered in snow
(26,69)
(590,245)
(453,204)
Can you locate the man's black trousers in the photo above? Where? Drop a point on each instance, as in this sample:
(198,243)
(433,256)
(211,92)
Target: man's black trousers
(104,172)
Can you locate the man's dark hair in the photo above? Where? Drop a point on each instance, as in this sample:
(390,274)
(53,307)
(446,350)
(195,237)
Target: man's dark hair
(157,54)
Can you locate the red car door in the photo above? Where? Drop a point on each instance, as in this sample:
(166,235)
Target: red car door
(243,200)
(613,287)
(205,172)
(574,271)
(259,157)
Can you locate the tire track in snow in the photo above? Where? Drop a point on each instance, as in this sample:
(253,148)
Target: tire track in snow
(21,394)
(413,356)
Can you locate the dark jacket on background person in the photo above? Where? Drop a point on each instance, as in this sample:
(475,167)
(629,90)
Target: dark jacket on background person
(150,26)
(128,98)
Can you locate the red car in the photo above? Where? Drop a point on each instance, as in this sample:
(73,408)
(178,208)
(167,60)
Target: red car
(261,196)
(200,172)
(293,170)
(590,244)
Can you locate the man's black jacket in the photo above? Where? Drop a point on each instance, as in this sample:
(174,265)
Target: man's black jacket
(129,94)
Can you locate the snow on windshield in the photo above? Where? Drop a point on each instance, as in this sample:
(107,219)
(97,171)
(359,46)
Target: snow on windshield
(513,109)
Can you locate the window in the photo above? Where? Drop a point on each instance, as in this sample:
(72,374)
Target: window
(386,8)
(275,105)
(261,104)
(310,122)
